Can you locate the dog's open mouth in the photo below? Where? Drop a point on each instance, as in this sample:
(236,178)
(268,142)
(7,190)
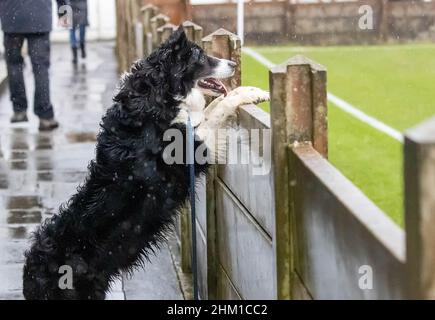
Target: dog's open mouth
(214,85)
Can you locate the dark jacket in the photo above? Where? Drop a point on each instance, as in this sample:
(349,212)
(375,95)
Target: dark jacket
(80,12)
(27,16)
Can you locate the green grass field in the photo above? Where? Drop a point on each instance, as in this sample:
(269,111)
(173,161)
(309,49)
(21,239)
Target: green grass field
(393,84)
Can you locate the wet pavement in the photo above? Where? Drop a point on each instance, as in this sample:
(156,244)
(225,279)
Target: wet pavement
(39,171)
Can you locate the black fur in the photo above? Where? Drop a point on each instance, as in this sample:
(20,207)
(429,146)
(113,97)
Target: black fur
(131,196)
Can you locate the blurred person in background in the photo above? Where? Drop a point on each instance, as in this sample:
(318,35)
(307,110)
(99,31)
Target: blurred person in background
(80,22)
(29,20)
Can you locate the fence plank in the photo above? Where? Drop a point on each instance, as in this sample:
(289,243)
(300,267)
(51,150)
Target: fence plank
(225,287)
(339,233)
(320,22)
(243,246)
(226,45)
(148,12)
(193,31)
(221,44)
(119,18)
(298,114)
(299,100)
(123,36)
(249,176)
(282,245)
(139,38)
(164,32)
(156,22)
(420,209)
(133,19)
(320,110)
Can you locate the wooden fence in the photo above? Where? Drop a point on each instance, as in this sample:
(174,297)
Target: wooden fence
(332,22)
(300,230)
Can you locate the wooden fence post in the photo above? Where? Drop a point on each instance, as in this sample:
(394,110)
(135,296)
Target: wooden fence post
(148,12)
(383,25)
(298,114)
(156,22)
(164,32)
(138,29)
(123,45)
(118,29)
(139,40)
(132,19)
(420,210)
(193,32)
(226,45)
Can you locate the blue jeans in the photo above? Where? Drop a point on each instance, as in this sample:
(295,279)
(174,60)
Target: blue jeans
(73,36)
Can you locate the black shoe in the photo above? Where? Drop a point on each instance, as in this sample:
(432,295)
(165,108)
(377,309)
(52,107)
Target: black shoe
(74,53)
(19,117)
(83,48)
(48,124)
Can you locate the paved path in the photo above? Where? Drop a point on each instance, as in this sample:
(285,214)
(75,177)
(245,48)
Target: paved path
(39,171)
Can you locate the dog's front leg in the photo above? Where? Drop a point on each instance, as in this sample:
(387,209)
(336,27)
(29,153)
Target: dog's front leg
(212,105)
(221,112)
(218,113)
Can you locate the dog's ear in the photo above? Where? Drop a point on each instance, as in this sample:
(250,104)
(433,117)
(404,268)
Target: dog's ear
(178,37)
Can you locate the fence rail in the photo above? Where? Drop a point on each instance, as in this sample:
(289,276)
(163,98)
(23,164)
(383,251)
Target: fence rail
(302,230)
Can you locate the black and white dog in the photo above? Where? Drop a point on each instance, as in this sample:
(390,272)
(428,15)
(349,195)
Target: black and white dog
(131,195)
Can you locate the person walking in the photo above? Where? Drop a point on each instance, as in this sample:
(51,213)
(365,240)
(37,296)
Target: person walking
(29,20)
(80,22)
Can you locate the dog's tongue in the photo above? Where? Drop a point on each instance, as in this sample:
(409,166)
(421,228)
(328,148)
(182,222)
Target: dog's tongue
(219,84)
(223,87)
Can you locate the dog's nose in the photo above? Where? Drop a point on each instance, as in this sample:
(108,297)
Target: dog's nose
(232,64)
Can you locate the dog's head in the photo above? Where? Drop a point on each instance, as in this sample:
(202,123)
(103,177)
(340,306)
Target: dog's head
(185,65)
(157,84)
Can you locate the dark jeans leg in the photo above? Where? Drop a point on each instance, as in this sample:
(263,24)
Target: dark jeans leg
(14,61)
(73,38)
(39,51)
(82,29)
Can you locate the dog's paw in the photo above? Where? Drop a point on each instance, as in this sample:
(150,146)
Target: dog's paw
(250,95)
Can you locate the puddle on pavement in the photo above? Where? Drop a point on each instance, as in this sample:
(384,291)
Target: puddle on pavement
(19,141)
(71,176)
(44,164)
(18,233)
(18,165)
(81,137)
(45,176)
(4,182)
(79,106)
(44,142)
(23,216)
(20,130)
(18,155)
(23,202)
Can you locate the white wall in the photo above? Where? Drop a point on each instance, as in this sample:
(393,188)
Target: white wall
(102,21)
